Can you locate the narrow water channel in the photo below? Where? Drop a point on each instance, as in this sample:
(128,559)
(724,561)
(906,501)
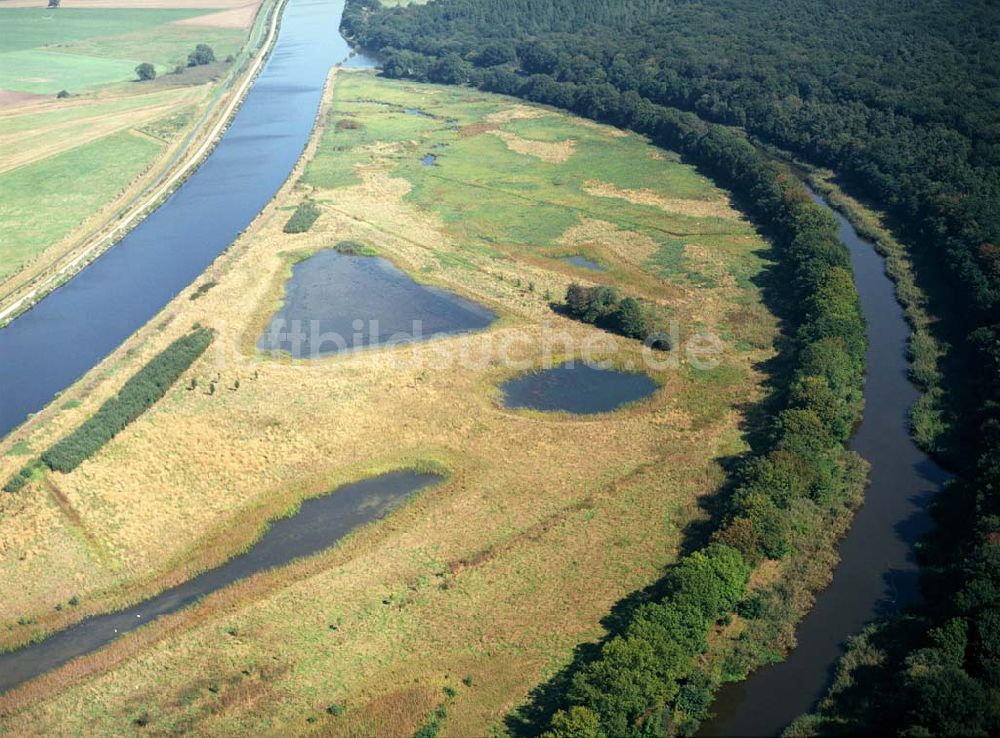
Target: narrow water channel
(72,329)
(319,523)
(877,573)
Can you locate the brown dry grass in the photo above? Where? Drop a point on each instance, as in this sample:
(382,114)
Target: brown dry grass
(241,16)
(621,245)
(554,151)
(13,98)
(699,208)
(516,111)
(543,523)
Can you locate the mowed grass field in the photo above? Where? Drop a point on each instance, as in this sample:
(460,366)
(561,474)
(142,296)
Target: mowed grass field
(45,51)
(52,196)
(483,584)
(62,161)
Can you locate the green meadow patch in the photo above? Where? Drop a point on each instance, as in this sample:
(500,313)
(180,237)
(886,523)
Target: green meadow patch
(45,72)
(45,51)
(72,186)
(29,28)
(508,178)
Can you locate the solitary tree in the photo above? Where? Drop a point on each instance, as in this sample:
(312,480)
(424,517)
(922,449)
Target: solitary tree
(145,71)
(202,54)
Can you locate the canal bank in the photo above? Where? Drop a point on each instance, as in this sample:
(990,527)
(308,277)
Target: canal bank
(76,326)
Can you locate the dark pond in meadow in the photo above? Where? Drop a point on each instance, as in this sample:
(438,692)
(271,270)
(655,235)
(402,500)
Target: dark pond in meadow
(428,160)
(336,302)
(319,523)
(584,263)
(576,388)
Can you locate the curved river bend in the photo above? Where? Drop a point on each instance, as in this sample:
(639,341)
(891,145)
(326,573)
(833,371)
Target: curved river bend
(877,573)
(72,329)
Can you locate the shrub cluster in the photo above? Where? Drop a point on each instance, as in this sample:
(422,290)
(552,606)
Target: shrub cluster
(21,478)
(303,218)
(606,308)
(354,248)
(140,392)
(145,71)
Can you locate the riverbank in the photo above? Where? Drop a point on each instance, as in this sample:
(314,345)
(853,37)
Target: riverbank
(152,187)
(931,420)
(877,572)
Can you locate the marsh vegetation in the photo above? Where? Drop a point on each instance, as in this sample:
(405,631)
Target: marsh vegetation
(599,518)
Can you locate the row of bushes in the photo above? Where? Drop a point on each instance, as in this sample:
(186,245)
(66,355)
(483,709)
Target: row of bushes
(650,666)
(644,681)
(303,218)
(138,393)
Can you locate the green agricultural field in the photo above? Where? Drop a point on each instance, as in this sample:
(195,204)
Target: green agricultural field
(44,202)
(29,28)
(44,72)
(62,161)
(42,51)
(166,46)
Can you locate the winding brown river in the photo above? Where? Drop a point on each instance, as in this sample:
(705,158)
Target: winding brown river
(877,573)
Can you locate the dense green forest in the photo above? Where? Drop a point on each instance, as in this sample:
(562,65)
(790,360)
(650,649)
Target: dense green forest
(901,99)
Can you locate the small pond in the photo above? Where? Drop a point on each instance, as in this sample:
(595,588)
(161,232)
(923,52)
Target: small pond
(428,160)
(576,388)
(319,523)
(584,263)
(336,302)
